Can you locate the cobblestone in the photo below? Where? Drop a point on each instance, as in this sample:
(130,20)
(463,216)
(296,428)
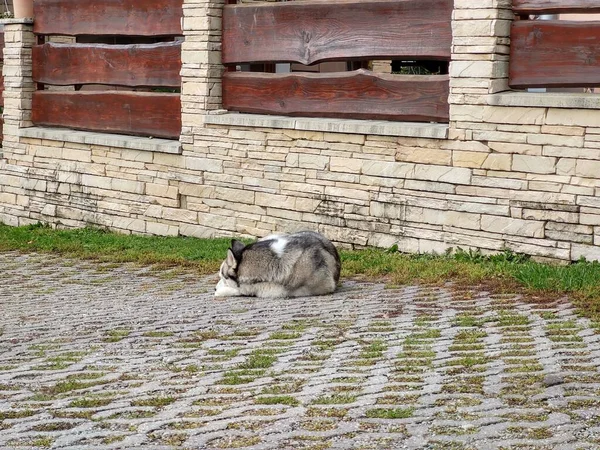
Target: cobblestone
(97,355)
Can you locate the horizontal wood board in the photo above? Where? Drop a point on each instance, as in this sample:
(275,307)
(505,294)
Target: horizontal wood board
(137,113)
(555,6)
(108,17)
(310,32)
(554,54)
(124,65)
(359,95)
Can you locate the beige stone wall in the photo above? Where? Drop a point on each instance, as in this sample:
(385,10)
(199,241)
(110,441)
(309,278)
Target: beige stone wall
(524,178)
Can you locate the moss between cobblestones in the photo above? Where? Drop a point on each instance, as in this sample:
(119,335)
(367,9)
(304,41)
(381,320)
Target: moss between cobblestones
(17,413)
(277,400)
(157,402)
(389,413)
(235,442)
(35,441)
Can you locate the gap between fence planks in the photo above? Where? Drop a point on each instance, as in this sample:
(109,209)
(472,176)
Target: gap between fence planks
(554,54)
(360,95)
(555,6)
(123,65)
(108,17)
(310,32)
(138,113)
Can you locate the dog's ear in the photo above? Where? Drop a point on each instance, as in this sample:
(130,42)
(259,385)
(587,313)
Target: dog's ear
(237,248)
(231,261)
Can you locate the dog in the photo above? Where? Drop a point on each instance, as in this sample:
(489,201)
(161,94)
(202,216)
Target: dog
(284,265)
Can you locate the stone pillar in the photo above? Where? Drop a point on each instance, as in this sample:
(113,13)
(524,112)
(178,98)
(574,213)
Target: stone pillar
(18,82)
(480,53)
(201,69)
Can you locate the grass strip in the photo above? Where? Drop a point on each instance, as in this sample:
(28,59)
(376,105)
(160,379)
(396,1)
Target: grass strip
(502,272)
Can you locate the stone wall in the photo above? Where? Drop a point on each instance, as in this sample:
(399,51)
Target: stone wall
(511,170)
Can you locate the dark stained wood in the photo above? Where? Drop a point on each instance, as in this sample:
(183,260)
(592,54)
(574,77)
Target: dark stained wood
(104,17)
(125,65)
(360,95)
(310,32)
(1,87)
(554,54)
(555,6)
(138,113)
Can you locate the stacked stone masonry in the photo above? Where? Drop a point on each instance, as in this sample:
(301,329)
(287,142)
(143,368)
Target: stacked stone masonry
(519,177)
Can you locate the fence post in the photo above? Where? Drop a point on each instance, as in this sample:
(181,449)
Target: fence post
(479,67)
(18,82)
(201,68)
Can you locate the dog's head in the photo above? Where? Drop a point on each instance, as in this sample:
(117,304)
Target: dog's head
(228,273)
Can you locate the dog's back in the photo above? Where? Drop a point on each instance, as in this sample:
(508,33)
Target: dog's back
(294,265)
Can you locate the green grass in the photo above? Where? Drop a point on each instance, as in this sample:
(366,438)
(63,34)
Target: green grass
(91,243)
(278,400)
(394,413)
(503,272)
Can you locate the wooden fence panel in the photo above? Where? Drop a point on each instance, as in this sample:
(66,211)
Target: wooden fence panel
(138,113)
(1,87)
(108,17)
(310,32)
(554,54)
(360,95)
(123,65)
(555,6)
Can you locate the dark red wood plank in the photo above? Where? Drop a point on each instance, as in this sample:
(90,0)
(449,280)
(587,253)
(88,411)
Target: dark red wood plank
(359,95)
(137,113)
(554,54)
(125,65)
(309,32)
(555,6)
(105,17)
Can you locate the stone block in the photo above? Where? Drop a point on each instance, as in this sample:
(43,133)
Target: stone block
(161,190)
(555,139)
(161,229)
(443,174)
(180,215)
(424,155)
(388,169)
(534,164)
(510,226)
(204,164)
(587,168)
(514,115)
(589,252)
(468,159)
(573,117)
(551,216)
(312,161)
(519,149)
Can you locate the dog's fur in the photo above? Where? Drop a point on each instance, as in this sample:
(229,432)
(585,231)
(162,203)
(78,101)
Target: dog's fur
(293,265)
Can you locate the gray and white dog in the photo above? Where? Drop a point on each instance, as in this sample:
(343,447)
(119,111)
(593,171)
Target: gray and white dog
(287,265)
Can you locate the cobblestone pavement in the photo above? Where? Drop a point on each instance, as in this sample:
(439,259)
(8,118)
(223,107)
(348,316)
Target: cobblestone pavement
(113,356)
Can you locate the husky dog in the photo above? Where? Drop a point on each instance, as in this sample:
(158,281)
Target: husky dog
(293,265)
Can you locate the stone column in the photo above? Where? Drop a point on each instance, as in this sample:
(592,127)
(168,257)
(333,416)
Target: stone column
(479,67)
(18,82)
(201,69)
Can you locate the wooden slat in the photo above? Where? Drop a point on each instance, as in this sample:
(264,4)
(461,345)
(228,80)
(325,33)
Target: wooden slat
(106,17)
(360,95)
(125,65)
(309,32)
(138,113)
(555,6)
(554,54)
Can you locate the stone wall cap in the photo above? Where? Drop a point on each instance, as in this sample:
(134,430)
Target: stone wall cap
(346,126)
(546,100)
(109,140)
(13,21)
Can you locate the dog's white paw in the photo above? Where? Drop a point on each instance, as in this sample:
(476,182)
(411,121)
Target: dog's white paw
(223,290)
